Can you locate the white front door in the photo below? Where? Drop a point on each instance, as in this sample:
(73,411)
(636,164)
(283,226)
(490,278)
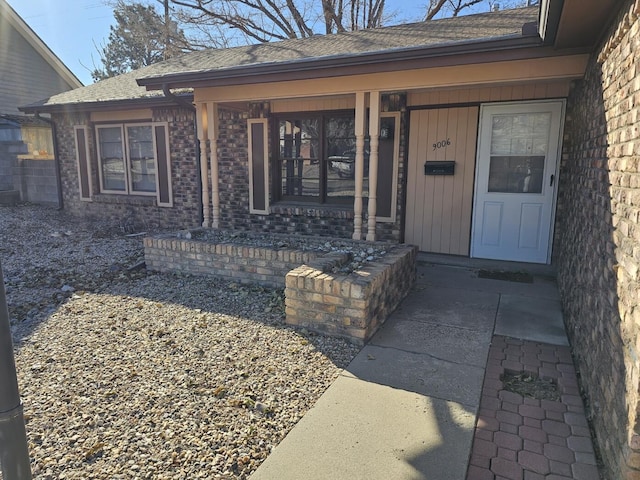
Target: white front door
(516,182)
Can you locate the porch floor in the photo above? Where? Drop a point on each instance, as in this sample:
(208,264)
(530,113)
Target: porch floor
(424,399)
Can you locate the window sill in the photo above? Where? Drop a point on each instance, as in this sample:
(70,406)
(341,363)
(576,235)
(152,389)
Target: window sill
(36,157)
(125,199)
(312,210)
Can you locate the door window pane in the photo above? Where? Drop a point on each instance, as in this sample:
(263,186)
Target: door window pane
(516,174)
(521,134)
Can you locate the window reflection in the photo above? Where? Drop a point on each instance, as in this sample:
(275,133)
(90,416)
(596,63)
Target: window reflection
(511,174)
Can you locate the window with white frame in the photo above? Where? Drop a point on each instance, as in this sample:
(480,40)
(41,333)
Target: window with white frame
(127,161)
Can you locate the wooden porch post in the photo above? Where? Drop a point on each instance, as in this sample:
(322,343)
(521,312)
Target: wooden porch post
(201,124)
(374,139)
(212,115)
(359,170)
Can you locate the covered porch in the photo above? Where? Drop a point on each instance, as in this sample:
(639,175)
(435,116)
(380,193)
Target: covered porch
(273,170)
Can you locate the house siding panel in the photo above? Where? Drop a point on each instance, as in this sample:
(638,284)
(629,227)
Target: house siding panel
(439,206)
(598,258)
(504,93)
(26,76)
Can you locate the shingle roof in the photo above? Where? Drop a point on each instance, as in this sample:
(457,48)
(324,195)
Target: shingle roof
(442,32)
(23,120)
(447,31)
(115,89)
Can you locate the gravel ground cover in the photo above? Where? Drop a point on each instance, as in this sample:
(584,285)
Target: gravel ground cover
(128,374)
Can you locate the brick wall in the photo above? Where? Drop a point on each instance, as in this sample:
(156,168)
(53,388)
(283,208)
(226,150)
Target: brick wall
(598,253)
(349,305)
(244,264)
(132,213)
(139,212)
(283,218)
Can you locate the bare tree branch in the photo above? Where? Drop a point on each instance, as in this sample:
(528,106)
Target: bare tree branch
(434,10)
(461,5)
(265,20)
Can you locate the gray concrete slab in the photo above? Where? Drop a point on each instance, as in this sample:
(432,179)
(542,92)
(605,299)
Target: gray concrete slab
(466,279)
(478,263)
(444,305)
(535,319)
(439,341)
(419,373)
(363,430)
(405,407)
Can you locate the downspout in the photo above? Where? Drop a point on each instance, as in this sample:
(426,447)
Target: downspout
(14,452)
(181,101)
(56,158)
(169,94)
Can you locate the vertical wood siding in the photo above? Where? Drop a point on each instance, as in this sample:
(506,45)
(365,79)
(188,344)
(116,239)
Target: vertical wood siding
(439,207)
(530,91)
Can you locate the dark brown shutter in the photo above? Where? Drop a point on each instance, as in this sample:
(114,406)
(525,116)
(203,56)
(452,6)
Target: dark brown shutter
(82,157)
(165,197)
(258,166)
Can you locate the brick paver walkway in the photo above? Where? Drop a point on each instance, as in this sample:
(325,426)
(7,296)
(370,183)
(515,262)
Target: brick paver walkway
(521,438)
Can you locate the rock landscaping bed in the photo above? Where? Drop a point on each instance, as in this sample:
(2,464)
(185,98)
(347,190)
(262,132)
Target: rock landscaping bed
(127,374)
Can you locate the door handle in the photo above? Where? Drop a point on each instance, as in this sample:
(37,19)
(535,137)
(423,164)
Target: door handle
(553,177)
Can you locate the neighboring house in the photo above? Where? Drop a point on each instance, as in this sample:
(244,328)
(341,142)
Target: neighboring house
(509,135)
(29,71)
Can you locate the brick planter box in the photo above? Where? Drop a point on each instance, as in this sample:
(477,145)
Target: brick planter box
(244,264)
(351,305)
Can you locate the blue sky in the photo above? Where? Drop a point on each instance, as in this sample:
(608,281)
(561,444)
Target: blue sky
(73,28)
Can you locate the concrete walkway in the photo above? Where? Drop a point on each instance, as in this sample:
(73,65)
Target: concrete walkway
(407,406)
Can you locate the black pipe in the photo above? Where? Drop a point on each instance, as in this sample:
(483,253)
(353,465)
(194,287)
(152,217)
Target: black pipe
(14,452)
(56,158)
(179,100)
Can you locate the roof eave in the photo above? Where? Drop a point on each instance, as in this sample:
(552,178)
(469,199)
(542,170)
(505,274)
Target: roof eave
(549,19)
(332,66)
(123,104)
